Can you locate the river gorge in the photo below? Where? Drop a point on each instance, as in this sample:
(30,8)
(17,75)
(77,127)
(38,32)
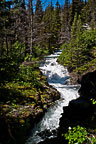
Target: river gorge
(58,77)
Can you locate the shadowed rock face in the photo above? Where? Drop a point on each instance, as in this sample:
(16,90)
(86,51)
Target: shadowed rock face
(81,111)
(78,109)
(77,113)
(88,85)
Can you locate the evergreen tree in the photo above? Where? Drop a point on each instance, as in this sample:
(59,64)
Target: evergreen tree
(74,27)
(73,37)
(38,12)
(57,23)
(93,20)
(4,26)
(52,24)
(75,49)
(48,26)
(23,4)
(30,9)
(66,12)
(65,28)
(76,7)
(89,12)
(78,48)
(38,22)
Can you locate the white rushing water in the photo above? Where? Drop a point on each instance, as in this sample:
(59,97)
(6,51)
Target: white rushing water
(58,77)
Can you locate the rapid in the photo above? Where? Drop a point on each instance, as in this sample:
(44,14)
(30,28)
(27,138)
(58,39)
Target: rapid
(58,77)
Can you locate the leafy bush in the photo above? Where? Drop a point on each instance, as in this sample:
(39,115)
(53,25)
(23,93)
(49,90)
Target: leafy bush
(9,64)
(93,101)
(39,51)
(27,74)
(78,135)
(17,51)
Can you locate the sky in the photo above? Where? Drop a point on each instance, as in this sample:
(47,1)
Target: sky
(54,1)
(61,2)
(46,2)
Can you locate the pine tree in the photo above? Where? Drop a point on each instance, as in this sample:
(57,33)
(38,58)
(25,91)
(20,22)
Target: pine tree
(38,12)
(30,9)
(65,28)
(23,4)
(74,27)
(93,20)
(76,35)
(38,21)
(48,26)
(66,12)
(73,37)
(57,23)
(75,8)
(78,49)
(89,11)
(4,26)
(2,7)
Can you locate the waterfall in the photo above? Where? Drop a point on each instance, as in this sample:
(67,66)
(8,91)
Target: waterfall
(58,77)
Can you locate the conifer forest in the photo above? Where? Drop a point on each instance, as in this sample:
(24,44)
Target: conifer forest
(47,72)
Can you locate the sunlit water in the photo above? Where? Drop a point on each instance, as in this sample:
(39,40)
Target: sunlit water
(58,77)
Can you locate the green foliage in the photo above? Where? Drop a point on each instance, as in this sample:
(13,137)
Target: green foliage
(8,69)
(88,13)
(25,88)
(52,26)
(93,101)
(17,51)
(9,64)
(37,51)
(40,52)
(93,140)
(80,53)
(76,135)
(74,27)
(65,57)
(27,74)
(33,59)
(75,8)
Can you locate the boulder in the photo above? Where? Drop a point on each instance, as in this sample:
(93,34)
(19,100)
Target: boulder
(88,85)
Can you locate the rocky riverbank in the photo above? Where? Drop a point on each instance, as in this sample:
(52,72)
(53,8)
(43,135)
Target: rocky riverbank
(81,111)
(23,104)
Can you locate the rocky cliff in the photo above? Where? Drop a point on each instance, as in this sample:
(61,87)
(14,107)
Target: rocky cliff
(81,111)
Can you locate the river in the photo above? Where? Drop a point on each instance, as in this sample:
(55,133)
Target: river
(58,77)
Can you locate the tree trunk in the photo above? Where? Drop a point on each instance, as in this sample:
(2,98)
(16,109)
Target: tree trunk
(6,44)
(31,27)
